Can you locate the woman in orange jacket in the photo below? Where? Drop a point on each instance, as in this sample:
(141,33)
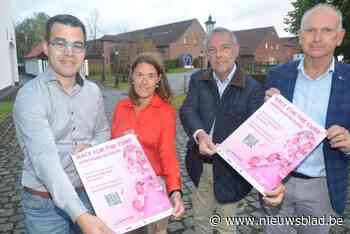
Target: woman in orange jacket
(148,114)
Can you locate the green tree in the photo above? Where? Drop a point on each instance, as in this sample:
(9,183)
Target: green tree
(344,6)
(30,31)
(293,19)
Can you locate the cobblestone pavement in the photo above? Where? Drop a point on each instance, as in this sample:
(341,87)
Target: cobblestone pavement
(11,216)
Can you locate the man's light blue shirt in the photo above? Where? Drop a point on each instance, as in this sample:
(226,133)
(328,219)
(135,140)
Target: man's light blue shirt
(50,123)
(312,97)
(222,84)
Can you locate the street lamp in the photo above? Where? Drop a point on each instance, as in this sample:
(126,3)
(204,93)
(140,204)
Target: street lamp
(201,57)
(209,24)
(103,67)
(116,63)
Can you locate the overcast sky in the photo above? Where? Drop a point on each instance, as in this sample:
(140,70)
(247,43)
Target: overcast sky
(117,16)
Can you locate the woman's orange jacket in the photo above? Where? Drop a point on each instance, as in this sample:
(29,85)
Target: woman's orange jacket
(155,127)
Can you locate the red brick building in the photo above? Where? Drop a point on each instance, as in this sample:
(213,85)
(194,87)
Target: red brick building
(170,41)
(291,47)
(260,45)
(263,45)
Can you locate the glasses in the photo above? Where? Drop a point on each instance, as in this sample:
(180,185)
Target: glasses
(61,44)
(226,49)
(138,76)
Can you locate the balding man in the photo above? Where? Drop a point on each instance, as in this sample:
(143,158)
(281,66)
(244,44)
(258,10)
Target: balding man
(319,86)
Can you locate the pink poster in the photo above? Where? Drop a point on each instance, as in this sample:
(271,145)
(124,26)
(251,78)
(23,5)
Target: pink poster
(122,186)
(271,143)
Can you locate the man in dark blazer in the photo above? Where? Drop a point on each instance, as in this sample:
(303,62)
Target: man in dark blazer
(319,86)
(218,101)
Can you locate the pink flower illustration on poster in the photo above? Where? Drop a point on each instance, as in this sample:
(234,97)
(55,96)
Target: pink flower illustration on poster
(292,151)
(142,172)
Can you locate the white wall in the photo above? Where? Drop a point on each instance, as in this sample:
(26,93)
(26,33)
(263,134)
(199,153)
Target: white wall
(8,55)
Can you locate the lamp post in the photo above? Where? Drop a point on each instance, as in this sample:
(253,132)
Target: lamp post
(209,24)
(201,57)
(103,67)
(116,64)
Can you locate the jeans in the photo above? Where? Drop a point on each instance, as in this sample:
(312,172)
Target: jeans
(42,216)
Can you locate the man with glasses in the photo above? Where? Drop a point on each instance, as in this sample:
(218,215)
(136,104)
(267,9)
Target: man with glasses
(57,114)
(218,101)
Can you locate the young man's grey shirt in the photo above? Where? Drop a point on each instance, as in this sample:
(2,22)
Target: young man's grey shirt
(49,124)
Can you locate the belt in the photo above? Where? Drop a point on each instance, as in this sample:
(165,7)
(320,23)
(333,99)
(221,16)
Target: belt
(207,159)
(300,175)
(46,195)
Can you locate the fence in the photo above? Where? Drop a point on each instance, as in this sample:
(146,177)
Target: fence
(257,68)
(120,77)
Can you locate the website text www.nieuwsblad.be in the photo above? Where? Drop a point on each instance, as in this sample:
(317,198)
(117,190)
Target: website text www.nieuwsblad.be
(303,220)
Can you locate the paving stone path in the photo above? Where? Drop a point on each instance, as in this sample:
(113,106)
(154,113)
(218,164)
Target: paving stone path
(11,215)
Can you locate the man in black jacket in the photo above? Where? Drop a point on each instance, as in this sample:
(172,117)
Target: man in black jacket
(219,100)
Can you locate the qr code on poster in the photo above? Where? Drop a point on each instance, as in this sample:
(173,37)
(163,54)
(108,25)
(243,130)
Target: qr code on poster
(113,199)
(250,141)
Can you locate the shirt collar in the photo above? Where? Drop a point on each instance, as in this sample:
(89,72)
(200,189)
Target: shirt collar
(51,76)
(301,67)
(228,78)
(238,81)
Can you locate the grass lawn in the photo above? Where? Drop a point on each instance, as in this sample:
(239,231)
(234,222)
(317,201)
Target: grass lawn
(178,100)
(178,70)
(109,82)
(5,109)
